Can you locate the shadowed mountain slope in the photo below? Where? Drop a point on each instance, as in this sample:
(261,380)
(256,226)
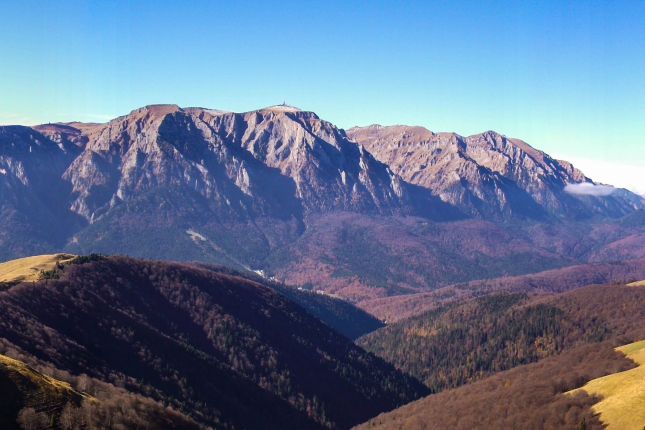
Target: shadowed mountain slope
(228,351)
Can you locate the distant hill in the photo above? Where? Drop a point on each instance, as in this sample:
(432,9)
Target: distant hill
(227,351)
(513,361)
(463,342)
(397,308)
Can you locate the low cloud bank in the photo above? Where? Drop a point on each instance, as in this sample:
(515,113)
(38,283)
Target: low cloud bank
(589,189)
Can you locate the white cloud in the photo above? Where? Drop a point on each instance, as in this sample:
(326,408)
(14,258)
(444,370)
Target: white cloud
(589,189)
(630,175)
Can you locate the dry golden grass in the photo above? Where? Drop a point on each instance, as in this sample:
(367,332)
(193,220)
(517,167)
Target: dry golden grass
(44,382)
(637,284)
(28,268)
(623,394)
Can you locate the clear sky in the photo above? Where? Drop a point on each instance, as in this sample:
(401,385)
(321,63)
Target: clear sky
(566,76)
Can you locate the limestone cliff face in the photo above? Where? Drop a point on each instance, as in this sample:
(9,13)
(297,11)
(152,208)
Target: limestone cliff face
(487,174)
(187,182)
(271,161)
(328,171)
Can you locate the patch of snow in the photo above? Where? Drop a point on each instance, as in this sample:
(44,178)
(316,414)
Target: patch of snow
(323,293)
(3,172)
(195,236)
(264,275)
(343,177)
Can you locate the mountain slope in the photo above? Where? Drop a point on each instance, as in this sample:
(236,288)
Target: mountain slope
(34,214)
(463,342)
(23,386)
(568,278)
(31,399)
(228,351)
(342,316)
(571,337)
(530,397)
(490,175)
(270,162)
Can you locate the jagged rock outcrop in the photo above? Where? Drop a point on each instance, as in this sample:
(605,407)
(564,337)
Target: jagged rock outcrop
(488,174)
(274,161)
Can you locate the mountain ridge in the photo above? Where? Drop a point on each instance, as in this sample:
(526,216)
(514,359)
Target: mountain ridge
(248,189)
(228,350)
(487,174)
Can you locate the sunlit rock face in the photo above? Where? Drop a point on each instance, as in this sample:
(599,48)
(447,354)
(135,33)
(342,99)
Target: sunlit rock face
(488,174)
(276,160)
(252,183)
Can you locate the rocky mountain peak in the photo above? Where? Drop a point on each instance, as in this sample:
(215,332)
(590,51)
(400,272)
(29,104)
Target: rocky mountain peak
(486,174)
(278,160)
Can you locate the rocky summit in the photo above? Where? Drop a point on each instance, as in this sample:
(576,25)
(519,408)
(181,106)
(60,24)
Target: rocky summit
(489,174)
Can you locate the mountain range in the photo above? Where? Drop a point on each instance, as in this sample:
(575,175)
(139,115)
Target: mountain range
(321,277)
(490,175)
(287,194)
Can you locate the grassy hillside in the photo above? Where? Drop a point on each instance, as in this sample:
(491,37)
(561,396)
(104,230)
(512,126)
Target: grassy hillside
(30,268)
(458,344)
(24,387)
(623,394)
(227,350)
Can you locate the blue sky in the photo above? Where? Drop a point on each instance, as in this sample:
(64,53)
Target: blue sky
(567,77)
